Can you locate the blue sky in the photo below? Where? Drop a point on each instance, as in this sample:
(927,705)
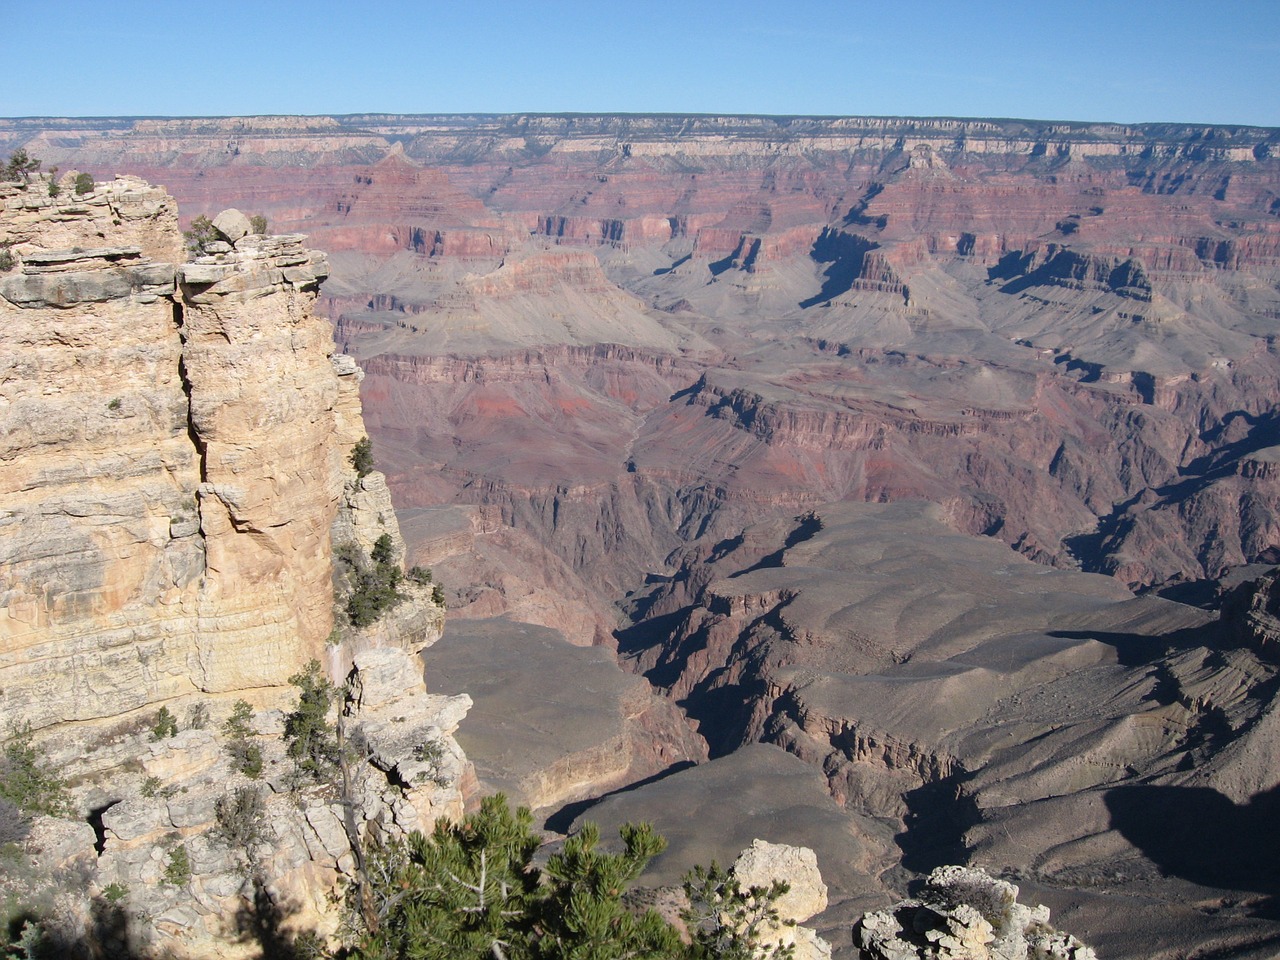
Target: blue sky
(1126,60)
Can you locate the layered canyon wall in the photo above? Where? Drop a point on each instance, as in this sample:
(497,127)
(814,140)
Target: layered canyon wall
(176,483)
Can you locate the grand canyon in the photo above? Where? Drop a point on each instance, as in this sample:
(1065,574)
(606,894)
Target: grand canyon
(905,489)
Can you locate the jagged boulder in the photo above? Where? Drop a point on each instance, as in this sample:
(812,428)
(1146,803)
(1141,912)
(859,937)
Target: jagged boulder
(763,863)
(965,914)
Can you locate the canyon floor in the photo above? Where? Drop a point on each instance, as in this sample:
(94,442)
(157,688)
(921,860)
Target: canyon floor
(830,481)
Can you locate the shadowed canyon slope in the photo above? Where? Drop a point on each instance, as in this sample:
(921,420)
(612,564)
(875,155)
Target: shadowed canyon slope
(854,435)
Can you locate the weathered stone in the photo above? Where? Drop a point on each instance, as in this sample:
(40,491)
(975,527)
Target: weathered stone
(763,863)
(964,914)
(232,224)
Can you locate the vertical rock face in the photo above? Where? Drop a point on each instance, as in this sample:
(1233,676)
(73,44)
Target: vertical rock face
(175,469)
(174,445)
(262,399)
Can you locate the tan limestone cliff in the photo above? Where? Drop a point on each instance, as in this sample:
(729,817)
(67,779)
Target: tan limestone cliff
(175,474)
(174,444)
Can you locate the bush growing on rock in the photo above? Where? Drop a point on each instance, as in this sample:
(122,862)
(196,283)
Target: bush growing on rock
(177,872)
(240,819)
(165,725)
(84,184)
(258,223)
(20,166)
(198,238)
(726,920)
(246,756)
(471,890)
(373,582)
(311,738)
(28,780)
(362,457)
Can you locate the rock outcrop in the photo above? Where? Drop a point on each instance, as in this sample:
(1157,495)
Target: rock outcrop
(176,442)
(964,914)
(176,459)
(762,865)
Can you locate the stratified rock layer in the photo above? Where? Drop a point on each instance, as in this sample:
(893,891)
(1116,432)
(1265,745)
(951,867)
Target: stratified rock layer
(168,460)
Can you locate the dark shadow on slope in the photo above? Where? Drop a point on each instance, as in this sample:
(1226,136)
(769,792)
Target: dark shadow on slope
(1199,835)
(723,712)
(846,253)
(263,919)
(562,819)
(1137,649)
(938,816)
(807,527)
(647,635)
(674,263)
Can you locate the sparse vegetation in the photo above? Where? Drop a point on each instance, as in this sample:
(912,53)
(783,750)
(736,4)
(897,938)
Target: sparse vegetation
(384,550)
(311,738)
(28,780)
(437,595)
(165,725)
(240,818)
(373,581)
(362,457)
(198,716)
(246,756)
(150,787)
(420,575)
(471,890)
(115,404)
(6,258)
(198,238)
(725,921)
(432,753)
(54,189)
(258,223)
(84,184)
(115,892)
(177,872)
(20,166)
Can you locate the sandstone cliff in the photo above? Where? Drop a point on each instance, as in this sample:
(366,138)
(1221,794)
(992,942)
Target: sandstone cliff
(176,473)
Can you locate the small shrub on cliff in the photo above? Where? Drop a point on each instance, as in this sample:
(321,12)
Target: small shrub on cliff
(420,575)
(471,890)
(165,725)
(6,258)
(258,223)
(437,595)
(54,189)
(311,738)
(384,549)
(84,184)
(198,238)
(246,756)
(725,920)
(20,166)
(373,581)
(362,457)
(240,818)
(177,872)
(373,593)
(28,780)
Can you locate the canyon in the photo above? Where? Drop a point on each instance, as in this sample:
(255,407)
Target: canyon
(881,451)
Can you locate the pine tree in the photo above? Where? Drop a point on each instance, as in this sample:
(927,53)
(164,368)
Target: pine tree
(464,892)
(581,915)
